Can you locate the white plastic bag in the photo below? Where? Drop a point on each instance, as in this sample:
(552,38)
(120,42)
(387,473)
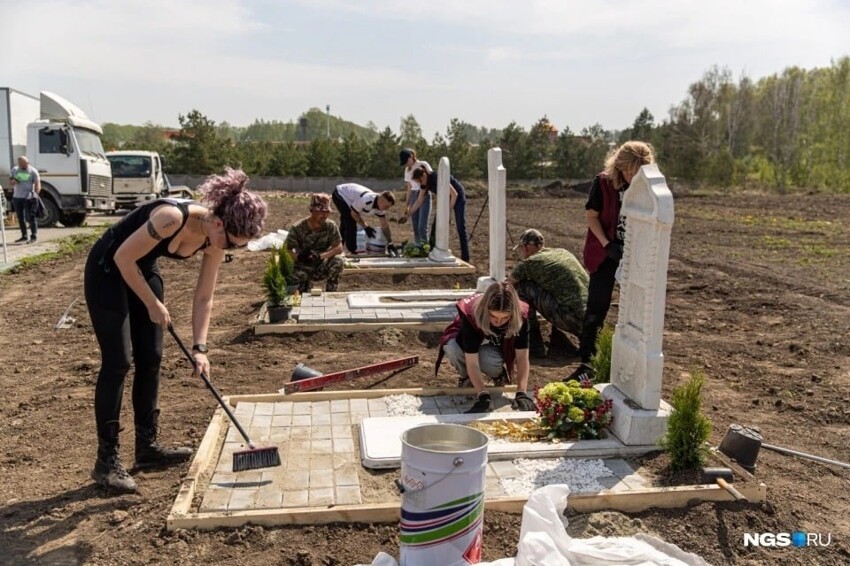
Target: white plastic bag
(272,240)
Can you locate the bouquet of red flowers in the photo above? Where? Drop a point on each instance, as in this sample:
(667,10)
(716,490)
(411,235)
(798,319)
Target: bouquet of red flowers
(572,409)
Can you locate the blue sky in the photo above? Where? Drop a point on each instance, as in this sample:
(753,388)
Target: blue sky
(488,62)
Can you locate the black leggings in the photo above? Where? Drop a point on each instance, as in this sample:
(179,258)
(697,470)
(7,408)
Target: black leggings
(599,293)
(348,226)
(125,333)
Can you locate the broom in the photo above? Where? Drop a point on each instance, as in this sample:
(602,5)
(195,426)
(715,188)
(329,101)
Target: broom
(251,459)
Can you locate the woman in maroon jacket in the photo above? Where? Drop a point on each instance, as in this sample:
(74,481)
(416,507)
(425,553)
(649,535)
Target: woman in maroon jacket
(489,334)
(603,245)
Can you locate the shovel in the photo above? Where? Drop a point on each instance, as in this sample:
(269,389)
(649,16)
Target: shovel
(742,444)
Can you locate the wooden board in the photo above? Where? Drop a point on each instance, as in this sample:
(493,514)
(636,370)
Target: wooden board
(460,267)
(263,328)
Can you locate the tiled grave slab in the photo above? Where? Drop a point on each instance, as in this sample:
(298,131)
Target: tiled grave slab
(392,265)
(380,441)
(407,299)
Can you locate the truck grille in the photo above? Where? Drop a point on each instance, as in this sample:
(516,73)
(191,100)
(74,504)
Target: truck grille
(100,186)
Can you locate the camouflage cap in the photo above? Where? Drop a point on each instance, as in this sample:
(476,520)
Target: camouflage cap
(320,202)
(530,236)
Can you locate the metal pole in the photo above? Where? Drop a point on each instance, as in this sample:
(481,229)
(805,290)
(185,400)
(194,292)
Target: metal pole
(328,109)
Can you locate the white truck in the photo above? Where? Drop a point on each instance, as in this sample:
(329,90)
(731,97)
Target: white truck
(138,177)
(64,145)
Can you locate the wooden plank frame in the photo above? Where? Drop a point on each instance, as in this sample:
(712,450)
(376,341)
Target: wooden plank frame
(183,517)
(460,267)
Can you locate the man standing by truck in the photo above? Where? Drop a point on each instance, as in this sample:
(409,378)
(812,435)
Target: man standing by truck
(26,184)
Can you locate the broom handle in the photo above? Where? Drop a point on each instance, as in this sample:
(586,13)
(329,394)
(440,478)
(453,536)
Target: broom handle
(211,387)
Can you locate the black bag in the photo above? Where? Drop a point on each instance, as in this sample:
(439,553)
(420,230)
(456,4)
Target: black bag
(37,206)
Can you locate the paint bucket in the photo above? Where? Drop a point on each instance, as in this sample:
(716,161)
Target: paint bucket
(361,240)
(442,507)
(303,372)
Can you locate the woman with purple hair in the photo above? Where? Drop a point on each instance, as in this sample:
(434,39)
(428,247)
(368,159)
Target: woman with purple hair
(125,292)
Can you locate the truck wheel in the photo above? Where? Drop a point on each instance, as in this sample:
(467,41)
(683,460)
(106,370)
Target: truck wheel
(73,219)
(51,214)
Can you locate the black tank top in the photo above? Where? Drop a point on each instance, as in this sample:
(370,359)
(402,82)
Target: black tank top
(119,232)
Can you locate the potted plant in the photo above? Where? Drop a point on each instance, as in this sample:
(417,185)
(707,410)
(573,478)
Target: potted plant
(280,284)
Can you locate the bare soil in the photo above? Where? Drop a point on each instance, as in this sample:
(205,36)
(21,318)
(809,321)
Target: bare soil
(757,299)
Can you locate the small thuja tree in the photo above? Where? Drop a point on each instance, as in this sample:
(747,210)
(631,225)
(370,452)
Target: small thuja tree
(273,281)
(601,360)
(687,428)
(287,265)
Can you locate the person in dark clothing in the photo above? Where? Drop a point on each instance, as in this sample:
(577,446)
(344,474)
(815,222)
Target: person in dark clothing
(124,293)
(488,335)
(603,245)
(457,202)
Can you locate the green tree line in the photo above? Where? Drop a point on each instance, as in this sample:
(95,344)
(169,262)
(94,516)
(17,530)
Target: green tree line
(788,130)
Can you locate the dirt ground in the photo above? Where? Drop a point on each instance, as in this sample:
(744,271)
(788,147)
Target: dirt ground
(758,296)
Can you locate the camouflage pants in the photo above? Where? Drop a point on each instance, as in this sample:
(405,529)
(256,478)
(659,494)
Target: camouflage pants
(540,300)
(328,270)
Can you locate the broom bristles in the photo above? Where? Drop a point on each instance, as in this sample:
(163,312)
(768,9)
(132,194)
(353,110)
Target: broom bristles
(256,458)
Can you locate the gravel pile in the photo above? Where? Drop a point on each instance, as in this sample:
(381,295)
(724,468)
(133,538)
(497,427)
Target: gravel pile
(579,474)
(403,405)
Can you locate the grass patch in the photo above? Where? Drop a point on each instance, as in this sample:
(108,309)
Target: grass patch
(67,246)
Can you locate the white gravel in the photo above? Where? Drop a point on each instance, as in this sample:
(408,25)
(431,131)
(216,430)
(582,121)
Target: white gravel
(579,474)
(403,405)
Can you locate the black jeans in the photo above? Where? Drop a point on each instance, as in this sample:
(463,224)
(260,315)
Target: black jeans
(598,302)
(348,226)
(26,212)
(460,224)
(125,333)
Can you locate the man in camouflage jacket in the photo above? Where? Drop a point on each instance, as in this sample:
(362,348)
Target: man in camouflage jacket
(554,283)
(317,246)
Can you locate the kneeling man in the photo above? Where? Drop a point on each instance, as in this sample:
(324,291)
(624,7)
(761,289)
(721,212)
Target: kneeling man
(316,244)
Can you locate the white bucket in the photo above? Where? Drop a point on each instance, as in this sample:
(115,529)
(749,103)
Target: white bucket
(378,244)
(443,467)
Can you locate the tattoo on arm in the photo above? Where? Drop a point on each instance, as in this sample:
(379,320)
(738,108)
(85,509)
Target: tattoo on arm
(152,231)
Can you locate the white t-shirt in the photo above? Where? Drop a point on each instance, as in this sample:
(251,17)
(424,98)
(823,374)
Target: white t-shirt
(362,200)
(408,174)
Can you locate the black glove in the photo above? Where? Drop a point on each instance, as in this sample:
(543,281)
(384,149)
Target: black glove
(370,232)
(308,256)
(614,250)
(522,402)
(481,405)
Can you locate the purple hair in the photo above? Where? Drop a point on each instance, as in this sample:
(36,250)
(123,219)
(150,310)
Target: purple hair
(241,211)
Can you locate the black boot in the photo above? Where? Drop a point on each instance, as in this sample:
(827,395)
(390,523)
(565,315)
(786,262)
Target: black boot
(108,470)
(148,452)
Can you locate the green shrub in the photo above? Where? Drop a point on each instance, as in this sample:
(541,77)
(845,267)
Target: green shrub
(287,265)
(601,360)
(687,428)
(273,280)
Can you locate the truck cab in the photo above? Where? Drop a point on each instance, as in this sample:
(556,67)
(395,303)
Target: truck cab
(139,177)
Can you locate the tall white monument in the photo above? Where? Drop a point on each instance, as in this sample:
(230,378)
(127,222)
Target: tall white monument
(441,251)
(497,180)
(637,362)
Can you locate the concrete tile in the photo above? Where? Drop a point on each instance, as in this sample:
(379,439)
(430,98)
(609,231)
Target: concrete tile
(248,479)
(619,467)
(636,481)
(321,420)
(241,499)
(259,433)
(296,462)
(295,498)
(360,405)
(283,408)
(264,421)
(264,409)
(341,431)
(300,433)
(320,407)
(348,495)
(321,461)
(300,447)
(301,408)
(281,420)
(279,435)
(344,459)
(323,447)
(302,420)
(613,483)
(377,405)
(321,478)
(338,419)
(216,500)
(268,499)
(321,432)
(493,488)
(340,406)
(504,469)
(322,496)
(343,445)
(346,475)
(296,480)
(244,410)
(358,416)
